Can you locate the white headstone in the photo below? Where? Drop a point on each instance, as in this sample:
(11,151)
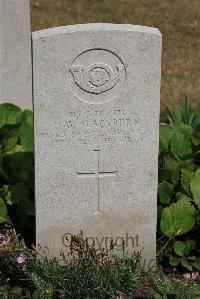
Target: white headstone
(15,52)
(96,99)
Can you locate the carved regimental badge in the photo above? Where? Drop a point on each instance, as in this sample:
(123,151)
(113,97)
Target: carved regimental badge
(97,76)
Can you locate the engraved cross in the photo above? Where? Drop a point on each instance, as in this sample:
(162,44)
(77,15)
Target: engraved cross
(97,174)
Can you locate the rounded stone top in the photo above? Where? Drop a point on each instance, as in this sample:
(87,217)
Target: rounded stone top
(94,27)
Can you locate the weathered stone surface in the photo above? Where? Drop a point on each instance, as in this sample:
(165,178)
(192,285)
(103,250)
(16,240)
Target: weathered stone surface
(15,51)
(96,99)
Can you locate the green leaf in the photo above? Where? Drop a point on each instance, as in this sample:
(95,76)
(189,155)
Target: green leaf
(178,218)
(196,122)
(165,192)
(165,136)
(10,200)
(180,196)
(179,248)
(186,113)
(10,144)
(195,189)
(175,174)
(197,172)
(27,113)
(181,140)
(174,261)
(195,140)
(186,177)
(186,264)
(174,167)
(3,211)
(197,263)
(26,134)
(174,115)
(191,257)
(9,131)
(170,162)
(10,114)
(189,246)
(191,119)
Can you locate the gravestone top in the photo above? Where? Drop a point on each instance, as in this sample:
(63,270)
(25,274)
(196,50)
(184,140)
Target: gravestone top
(94,26)
(96,102)
(16,62)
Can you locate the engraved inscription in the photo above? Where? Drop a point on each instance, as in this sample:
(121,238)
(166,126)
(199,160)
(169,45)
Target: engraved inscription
(98,127)
(97,77)
(97,174)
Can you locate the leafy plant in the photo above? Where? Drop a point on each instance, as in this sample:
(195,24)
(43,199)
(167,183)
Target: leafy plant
(85,271)
(164,287)
(16,168)
(179,188)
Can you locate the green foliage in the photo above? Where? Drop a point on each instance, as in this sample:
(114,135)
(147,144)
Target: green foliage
(186,115)
(85,271)
(10,115)
(164,287)
(178,218)
(195,188)
(179,188)
(16,168)
(165,192)
(180,143)
(182,250)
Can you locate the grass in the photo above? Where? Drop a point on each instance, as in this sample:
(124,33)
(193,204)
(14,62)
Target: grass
(178,20)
